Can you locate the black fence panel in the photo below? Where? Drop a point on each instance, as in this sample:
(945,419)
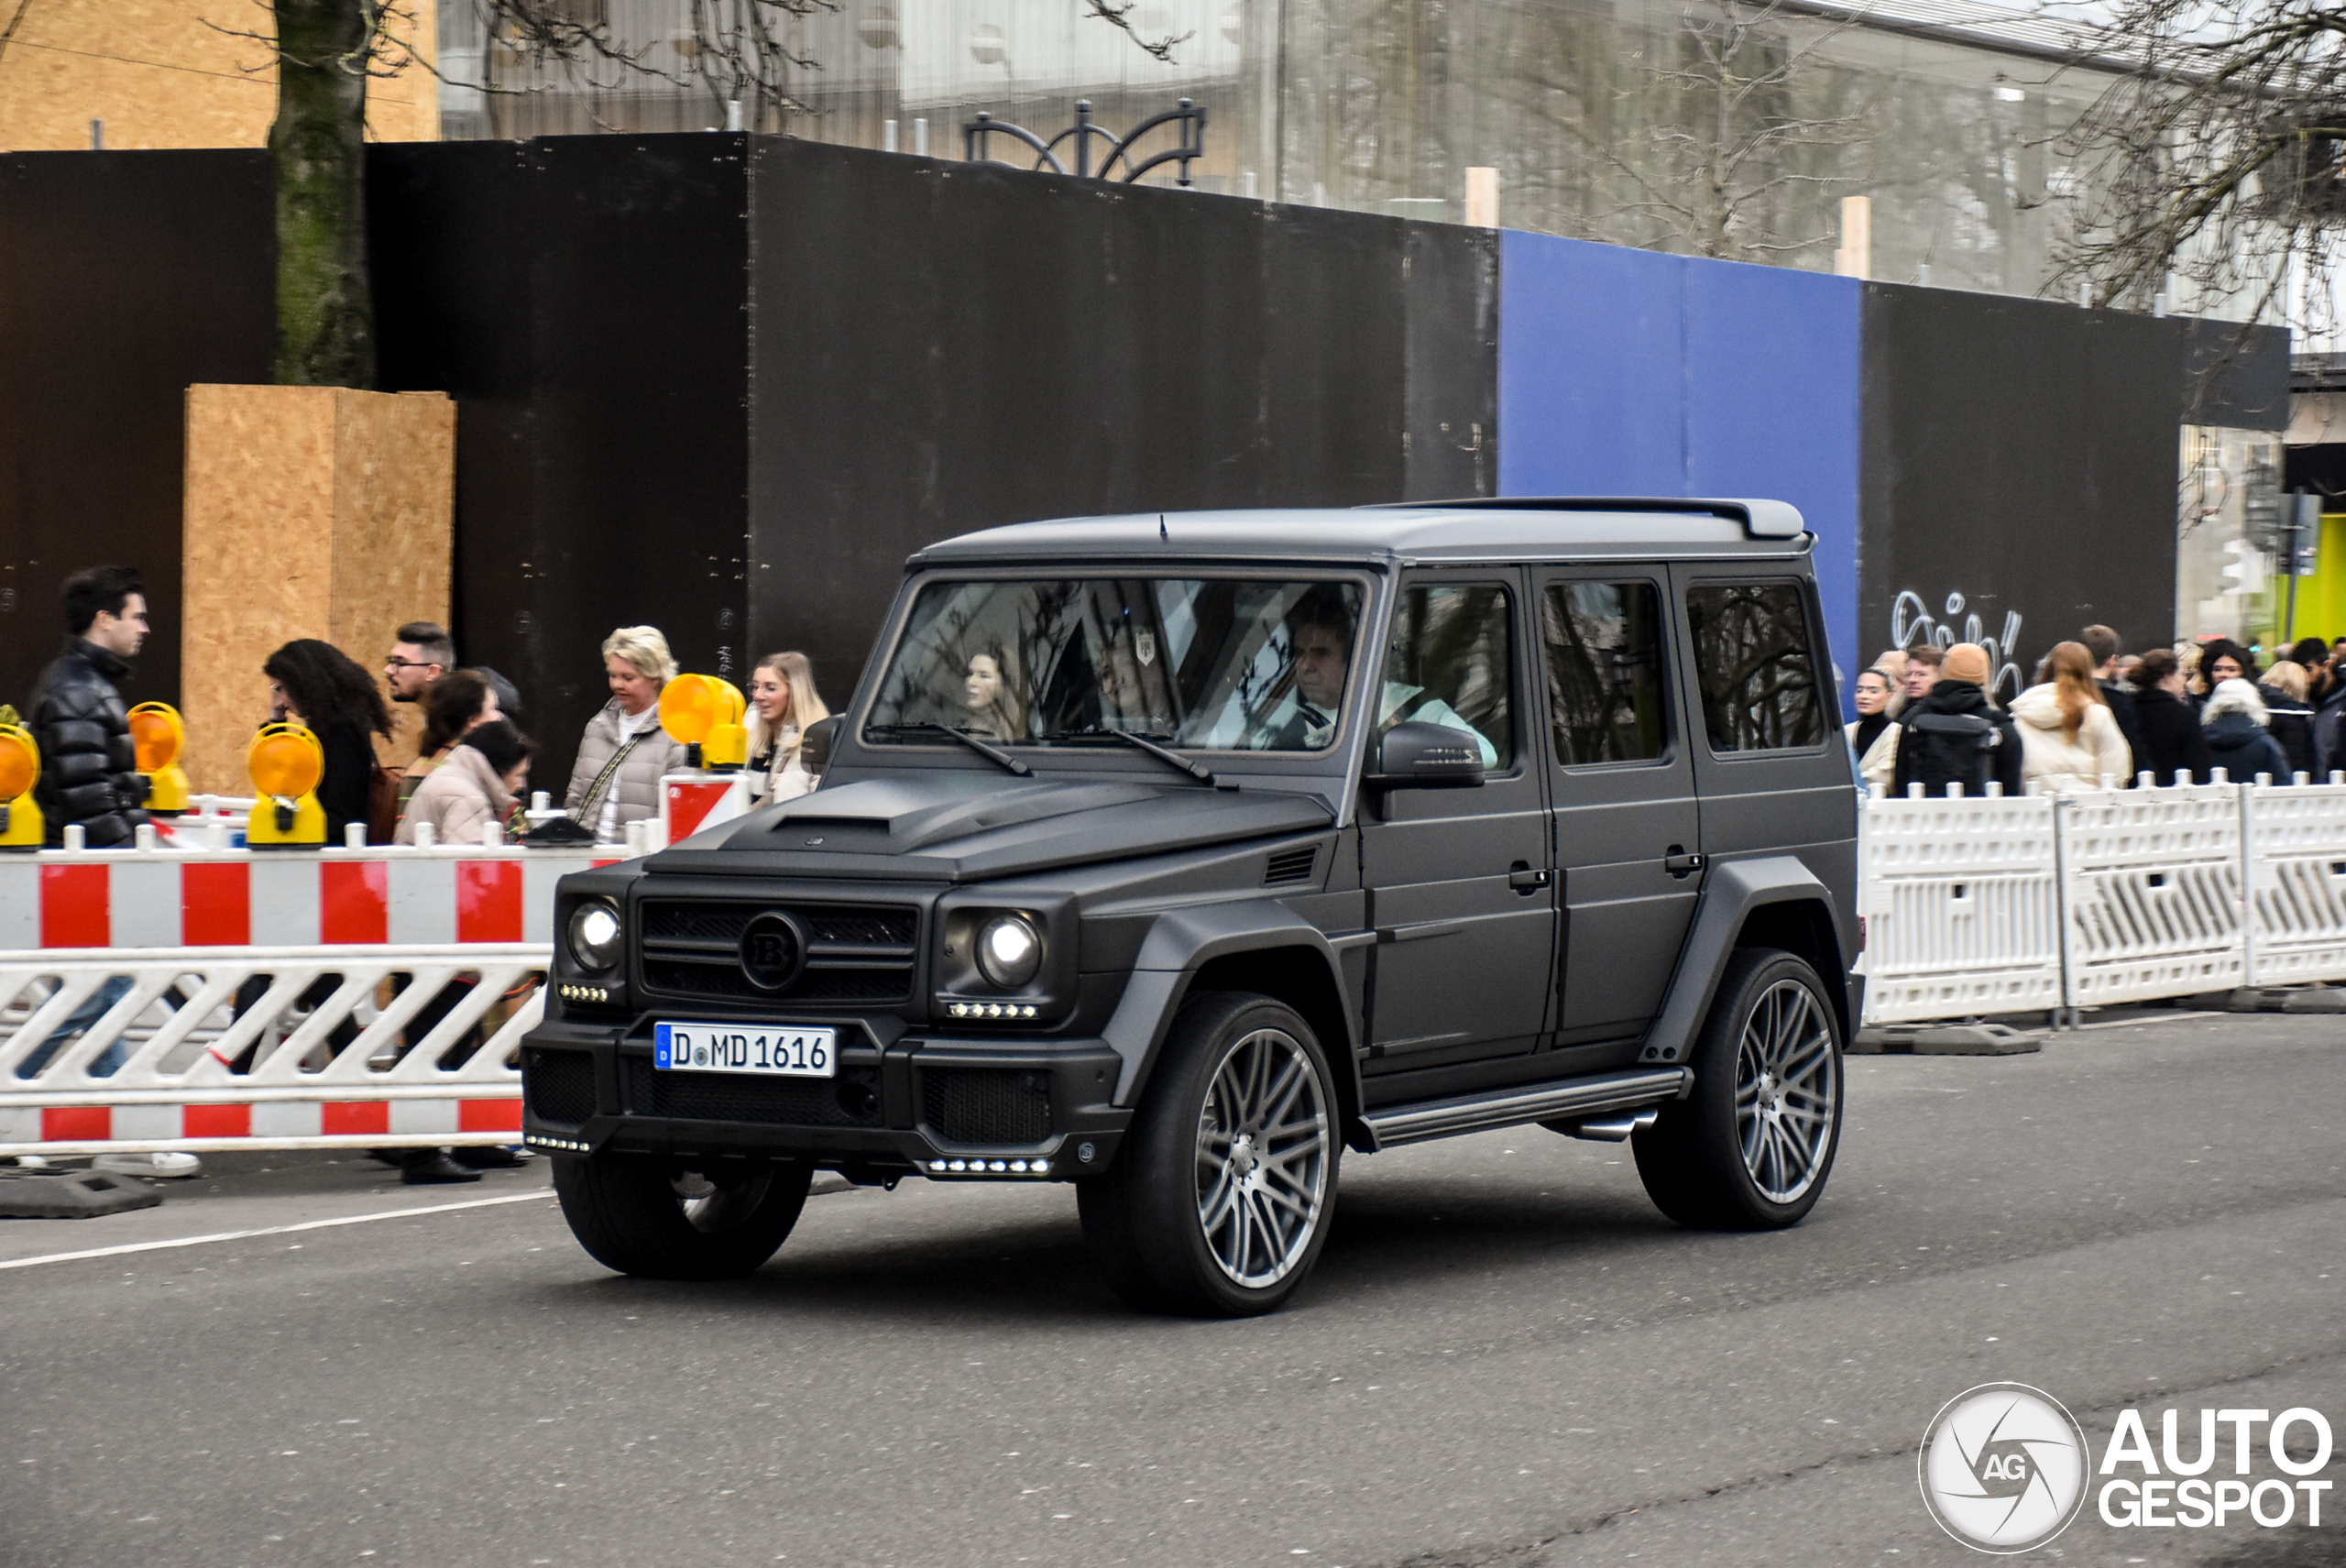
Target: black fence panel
(124,278)
(2019,471)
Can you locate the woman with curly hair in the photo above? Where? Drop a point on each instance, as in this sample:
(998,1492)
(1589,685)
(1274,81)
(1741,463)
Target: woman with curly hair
(315,685)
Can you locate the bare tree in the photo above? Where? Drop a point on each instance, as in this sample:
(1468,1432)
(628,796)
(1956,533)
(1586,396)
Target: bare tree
(2212,162)
(325,52)
(1733,127)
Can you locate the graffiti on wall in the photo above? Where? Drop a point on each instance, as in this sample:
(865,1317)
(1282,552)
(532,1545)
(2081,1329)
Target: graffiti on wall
(1911,625)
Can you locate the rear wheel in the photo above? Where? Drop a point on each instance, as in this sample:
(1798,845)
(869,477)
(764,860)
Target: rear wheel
(666,1221)
(1219,1199)
(1750,1149)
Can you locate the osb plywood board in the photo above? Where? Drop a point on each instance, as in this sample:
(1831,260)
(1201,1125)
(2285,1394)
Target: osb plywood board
(178,74)
(394,542)
(310,511)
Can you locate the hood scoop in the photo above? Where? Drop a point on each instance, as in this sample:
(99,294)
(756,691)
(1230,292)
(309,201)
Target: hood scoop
(910,816)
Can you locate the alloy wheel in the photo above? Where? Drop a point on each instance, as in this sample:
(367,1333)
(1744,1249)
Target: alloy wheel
(1785,1084)
(1262,1159)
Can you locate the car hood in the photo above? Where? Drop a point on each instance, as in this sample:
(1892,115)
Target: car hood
(957,824)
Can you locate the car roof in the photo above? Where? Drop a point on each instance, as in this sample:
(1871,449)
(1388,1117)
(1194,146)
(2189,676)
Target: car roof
(1512,529)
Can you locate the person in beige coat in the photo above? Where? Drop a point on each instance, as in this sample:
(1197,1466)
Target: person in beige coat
(477,785)
(624,751)
(2068,737)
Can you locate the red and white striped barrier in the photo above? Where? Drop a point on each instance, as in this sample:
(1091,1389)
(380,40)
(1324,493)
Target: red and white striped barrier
(231,898)
(276,999)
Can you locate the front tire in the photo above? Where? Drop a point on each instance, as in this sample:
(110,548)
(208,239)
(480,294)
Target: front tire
(1221,1198)
(662,1221)
(1750,1149)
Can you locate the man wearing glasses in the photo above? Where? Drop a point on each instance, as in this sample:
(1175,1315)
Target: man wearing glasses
(421,653)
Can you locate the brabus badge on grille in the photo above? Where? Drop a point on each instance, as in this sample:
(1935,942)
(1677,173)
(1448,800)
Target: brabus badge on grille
(773,950)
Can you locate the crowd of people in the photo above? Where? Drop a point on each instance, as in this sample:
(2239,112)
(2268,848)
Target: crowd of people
(1928,716)
(468,777)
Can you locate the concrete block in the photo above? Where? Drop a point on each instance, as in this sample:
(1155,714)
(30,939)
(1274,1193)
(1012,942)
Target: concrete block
(70,1195)
(1975,1040)
(2319,1000)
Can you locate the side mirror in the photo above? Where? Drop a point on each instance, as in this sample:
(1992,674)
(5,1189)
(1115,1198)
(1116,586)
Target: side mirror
(1426,756)
(814,746)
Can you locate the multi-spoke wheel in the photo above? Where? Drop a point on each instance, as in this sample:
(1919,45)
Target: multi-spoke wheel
(1750,1147)
(655,1218)
(1220,1196)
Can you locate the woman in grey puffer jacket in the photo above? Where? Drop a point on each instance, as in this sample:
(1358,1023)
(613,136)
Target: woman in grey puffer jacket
(605,797)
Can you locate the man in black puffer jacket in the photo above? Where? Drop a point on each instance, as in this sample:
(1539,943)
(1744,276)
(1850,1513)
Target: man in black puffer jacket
(89,771)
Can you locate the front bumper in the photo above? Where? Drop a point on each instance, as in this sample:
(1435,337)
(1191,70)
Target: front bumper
(952,1109)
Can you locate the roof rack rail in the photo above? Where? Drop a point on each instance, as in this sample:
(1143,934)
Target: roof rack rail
(1761,519)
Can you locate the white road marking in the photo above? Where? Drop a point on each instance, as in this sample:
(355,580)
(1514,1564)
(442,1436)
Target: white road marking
(274,1230)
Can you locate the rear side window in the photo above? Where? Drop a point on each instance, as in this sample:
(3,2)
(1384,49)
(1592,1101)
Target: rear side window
(1602,646)
(1753,660)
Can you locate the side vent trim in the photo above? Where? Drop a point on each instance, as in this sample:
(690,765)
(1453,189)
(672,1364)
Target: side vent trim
(1291,866)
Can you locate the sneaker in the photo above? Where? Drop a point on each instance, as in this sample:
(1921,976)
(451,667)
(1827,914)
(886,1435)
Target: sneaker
(490,1157)
(30,1162)
(164,1165)
(429,1166)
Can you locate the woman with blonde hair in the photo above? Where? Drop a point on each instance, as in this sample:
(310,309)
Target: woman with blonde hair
(2288,715)
(783,704)
(2068,737)
(616,780)
(1873,738)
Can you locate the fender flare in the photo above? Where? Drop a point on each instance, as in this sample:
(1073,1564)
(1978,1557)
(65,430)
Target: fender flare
(1180,942)
(1731,891)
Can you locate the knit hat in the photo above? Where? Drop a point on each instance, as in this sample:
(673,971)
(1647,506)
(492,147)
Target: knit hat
(1965,661)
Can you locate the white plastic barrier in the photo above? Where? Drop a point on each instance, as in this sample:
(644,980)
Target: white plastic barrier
(2104,896)
(1962,906)
(2297,864)
(2153,880)
(362,998)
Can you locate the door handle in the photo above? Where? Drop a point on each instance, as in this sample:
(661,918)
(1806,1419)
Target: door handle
(1679,863)
(1524,879)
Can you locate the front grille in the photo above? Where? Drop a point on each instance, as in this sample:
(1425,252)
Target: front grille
(850,1100)
(987,1104)
(855,952)
(560,1085)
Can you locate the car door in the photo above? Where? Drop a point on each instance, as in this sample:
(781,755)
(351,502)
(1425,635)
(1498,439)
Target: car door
(1459,889)
(1621,784)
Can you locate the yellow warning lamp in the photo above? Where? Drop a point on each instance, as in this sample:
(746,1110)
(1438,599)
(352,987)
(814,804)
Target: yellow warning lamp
(704,713)
(21,826)
(286,764)
(157,735)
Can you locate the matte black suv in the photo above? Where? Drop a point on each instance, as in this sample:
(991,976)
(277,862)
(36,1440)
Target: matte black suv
(1173,857)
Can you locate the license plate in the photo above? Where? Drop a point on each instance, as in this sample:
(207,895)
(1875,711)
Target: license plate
(746,1048)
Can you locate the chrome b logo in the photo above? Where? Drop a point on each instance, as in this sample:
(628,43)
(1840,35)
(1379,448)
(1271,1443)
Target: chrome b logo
(773,950)
(2003,1468)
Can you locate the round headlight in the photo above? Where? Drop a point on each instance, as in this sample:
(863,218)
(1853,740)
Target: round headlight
(594,935)
(1010,951)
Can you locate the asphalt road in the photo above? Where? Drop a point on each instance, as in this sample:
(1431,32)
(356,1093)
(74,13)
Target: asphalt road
(1506,1356)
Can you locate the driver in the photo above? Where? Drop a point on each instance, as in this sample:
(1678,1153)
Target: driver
(1319,632)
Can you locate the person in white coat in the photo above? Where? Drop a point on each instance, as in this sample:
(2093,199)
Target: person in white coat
(782,704)
(2068,737)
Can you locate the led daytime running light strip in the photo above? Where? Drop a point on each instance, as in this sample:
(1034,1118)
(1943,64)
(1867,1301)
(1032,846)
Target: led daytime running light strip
(989,1167)
(989,1010)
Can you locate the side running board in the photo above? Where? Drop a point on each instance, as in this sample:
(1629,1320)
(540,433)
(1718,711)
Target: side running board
(1394,1125)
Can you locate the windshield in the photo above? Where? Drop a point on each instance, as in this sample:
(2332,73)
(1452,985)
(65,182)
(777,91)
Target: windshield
(1215,663)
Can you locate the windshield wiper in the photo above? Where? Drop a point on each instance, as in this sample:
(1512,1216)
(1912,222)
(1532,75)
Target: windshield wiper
(1197,771)
(991,754)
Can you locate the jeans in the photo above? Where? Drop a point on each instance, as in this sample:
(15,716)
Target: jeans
(109,1060)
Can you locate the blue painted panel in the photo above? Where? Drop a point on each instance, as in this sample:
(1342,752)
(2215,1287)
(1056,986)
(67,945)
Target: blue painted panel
(1592,345)
(1773,409)
(1626,372)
